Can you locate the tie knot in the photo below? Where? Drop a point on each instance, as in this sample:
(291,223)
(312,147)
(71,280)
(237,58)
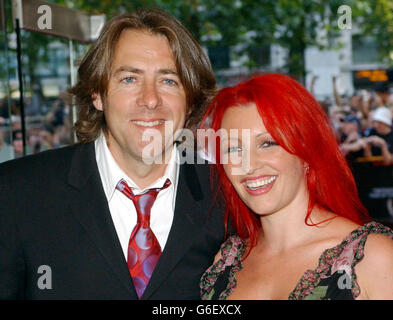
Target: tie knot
(143,202)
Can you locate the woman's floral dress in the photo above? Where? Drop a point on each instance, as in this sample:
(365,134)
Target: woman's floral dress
(333,279)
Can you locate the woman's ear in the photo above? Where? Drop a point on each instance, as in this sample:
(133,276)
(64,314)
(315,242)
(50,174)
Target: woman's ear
(97,101)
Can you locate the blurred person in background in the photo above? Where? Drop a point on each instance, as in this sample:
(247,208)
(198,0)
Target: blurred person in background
(352,144)
(335,116)
(379,138)
(15,115)
(6,150)
(351,129)
(3,143)
(59,111)
(46,135)
(17,143)
(382,92)
(34,140)
(36,104)
(389,104)
(55,116)
(62,137)
(4,109)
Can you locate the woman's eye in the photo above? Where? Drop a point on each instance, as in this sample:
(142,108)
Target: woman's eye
(268,144)
(234,149)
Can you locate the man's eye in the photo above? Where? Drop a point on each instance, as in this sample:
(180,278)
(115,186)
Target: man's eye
(128,79)
(170,82)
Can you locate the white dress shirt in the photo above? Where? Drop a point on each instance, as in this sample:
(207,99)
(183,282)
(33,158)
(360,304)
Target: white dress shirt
(122,209)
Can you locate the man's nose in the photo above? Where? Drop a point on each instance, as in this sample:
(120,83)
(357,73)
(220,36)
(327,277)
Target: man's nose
(149,96)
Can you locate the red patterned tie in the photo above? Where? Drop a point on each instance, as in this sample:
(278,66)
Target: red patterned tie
(143,247)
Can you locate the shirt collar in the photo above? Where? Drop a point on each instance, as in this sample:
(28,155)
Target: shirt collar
(111,173)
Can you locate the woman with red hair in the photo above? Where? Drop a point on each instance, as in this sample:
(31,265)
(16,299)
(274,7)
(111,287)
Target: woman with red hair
(301,229)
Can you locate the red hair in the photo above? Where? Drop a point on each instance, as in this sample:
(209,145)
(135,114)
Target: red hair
(299,125)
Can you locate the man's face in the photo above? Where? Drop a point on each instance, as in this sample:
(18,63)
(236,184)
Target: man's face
(349,127)
(18,143)
(46,138)
(382,128)
(144,93)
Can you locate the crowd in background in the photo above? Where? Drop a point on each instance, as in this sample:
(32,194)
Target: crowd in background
(48,125)
(362,123)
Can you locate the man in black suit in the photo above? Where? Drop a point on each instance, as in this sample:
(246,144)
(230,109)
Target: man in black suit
(65,225)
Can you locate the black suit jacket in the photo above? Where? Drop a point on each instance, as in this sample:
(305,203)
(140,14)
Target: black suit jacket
(53,212)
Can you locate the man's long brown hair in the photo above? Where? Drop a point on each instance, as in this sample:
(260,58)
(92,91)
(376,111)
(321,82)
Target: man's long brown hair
(192,65)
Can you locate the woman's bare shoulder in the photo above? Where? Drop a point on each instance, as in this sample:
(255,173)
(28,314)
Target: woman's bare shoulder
(375,270)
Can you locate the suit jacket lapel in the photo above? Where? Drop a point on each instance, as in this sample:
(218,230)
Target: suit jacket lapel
(91,209)
(188,218)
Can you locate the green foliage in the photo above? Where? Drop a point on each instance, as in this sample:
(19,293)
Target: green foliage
(375,18)
(293,24)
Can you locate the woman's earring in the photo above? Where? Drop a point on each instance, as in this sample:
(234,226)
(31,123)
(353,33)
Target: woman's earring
(307,169)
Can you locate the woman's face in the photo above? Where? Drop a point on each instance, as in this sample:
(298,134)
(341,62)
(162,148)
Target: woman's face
(266,177)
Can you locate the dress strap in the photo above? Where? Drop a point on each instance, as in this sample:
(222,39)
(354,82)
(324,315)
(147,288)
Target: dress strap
(232,251)
(353,251)
(341,258)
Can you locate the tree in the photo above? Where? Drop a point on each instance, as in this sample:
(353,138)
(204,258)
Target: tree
(375,18)
(290,23)
(293,24)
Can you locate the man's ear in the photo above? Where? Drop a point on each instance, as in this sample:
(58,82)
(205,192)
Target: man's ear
(97,101)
